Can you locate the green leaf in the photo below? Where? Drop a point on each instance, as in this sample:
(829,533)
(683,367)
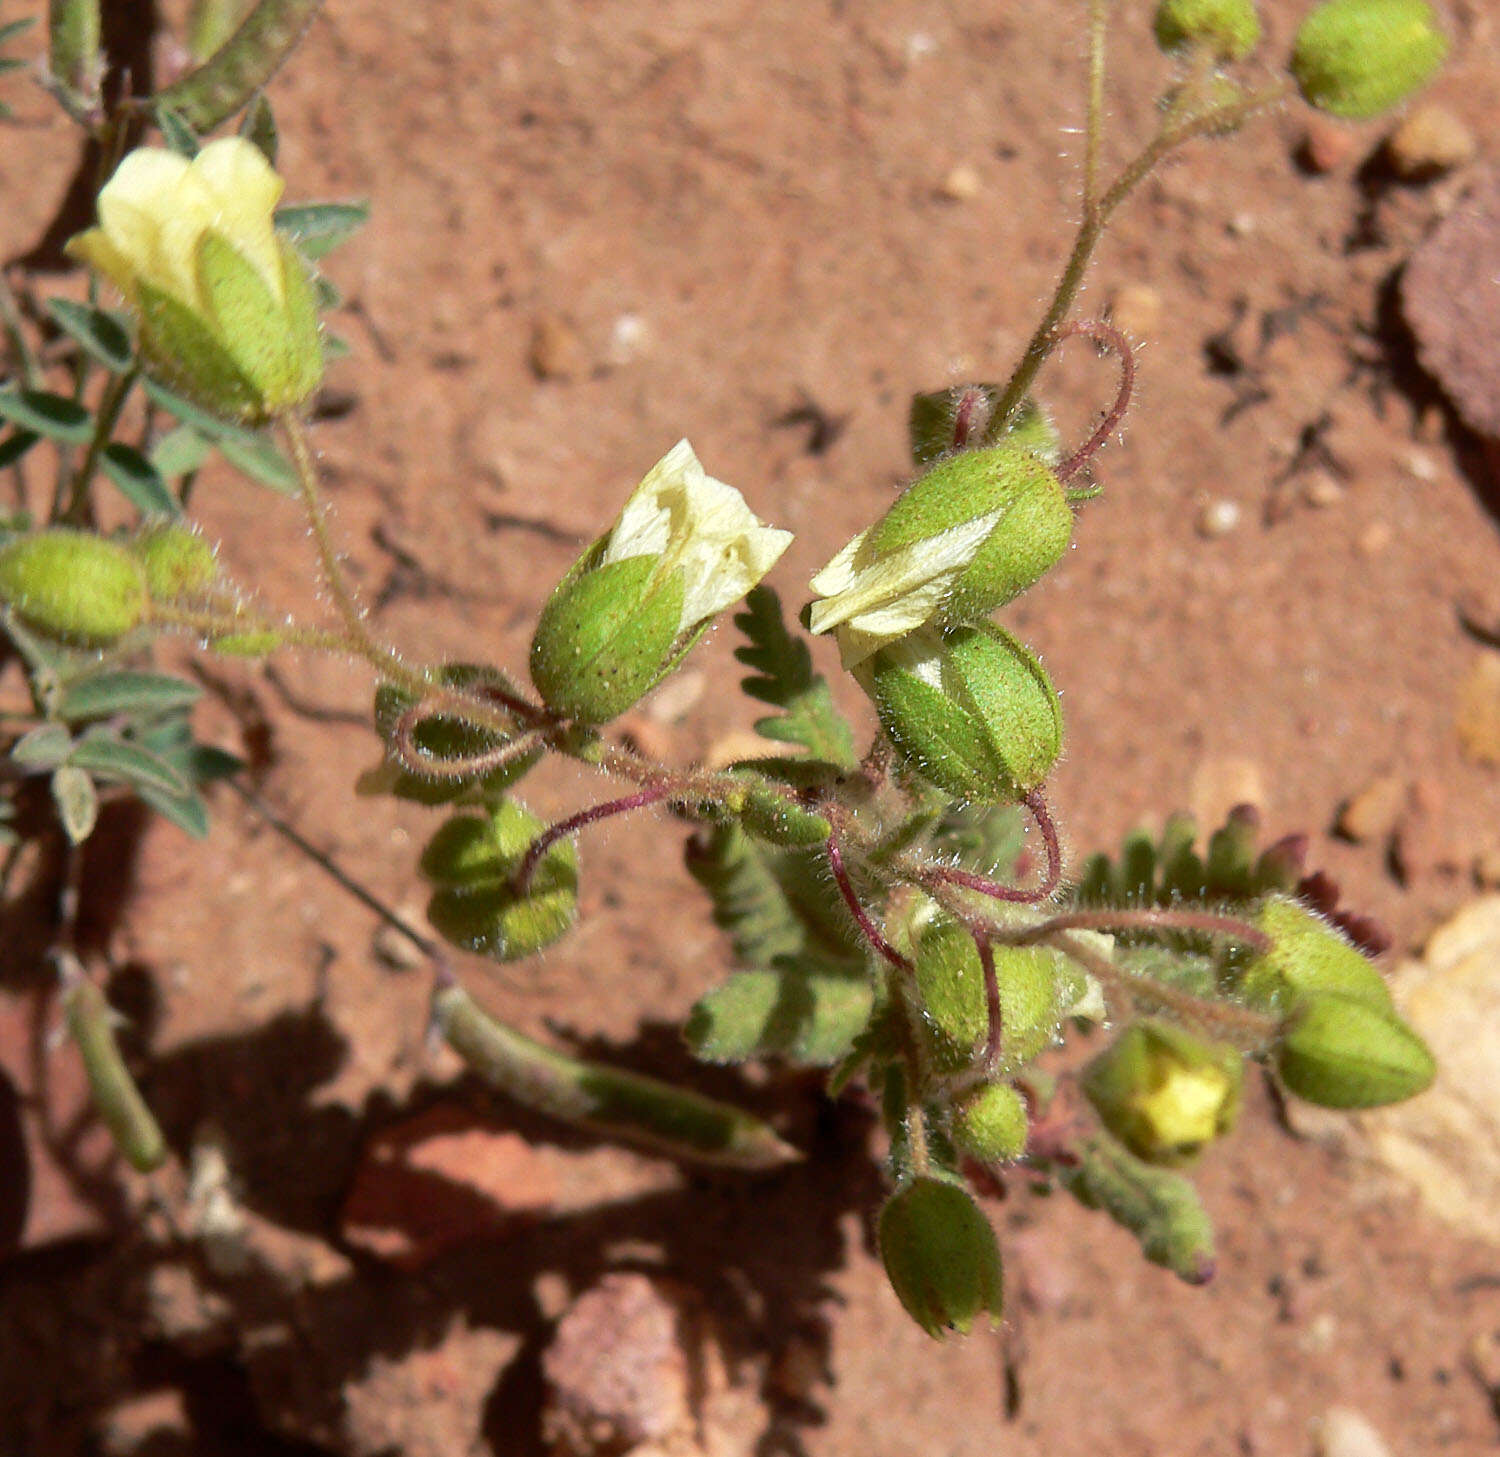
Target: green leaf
(105,754)
(44,747)
(317,228)
(15,445)
(138,480)
(175,131)
(77,802)
(783,677)
(748,900)
(13,28)
(180,452)
(101,334)
(126,691)
(54,416)
(256,457)
(187,811)
(1159,1207)
(258,125)
(799,1012)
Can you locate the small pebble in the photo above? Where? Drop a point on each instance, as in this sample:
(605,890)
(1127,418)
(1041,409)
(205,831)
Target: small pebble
(1345,1433)
(1136,308)
(1374,538)
(1430,142)
(1421,467)
(1487,877)
(393,949)
(1326,145)
(962,184)
(1372,812)
(1478,710)
(629,339)
(1218,518)
(556,350)
(1322,490)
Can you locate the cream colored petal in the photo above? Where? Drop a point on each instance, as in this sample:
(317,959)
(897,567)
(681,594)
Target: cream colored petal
(243,190)
(646,524)
(132,207)
(95,249)
(918,574)
(713,583)
(838,575)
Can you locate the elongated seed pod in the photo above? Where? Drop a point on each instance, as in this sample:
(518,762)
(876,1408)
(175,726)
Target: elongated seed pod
(117,1100)
(607,1100)
(214,91)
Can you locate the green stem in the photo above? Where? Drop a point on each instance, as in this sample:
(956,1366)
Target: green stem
(105,419)
(1094,123)
(1091,229)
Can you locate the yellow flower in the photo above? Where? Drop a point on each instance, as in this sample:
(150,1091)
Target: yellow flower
(684,548)
(225,310)
(700,527)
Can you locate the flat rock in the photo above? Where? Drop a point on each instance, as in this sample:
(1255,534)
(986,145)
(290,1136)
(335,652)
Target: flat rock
(1449,297)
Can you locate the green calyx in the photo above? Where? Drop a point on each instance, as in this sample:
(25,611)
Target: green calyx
(1358,58)
(248,356)
(1340,1052)
(476,905)
(1037,986)
(970,709)
(941,1256)
(73,585)
(1229,29)
(1165,1093)
(177,561)
(607,635)
(1308,956)
(1031,527)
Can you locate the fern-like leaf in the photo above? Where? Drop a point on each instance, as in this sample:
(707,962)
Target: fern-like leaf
(783,677)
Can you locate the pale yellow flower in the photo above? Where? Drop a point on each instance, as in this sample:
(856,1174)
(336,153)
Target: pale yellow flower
(225,310)
(871,598)
(700,527)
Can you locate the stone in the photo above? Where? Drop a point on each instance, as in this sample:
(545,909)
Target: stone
(962,184)
(1136,308)
(1450,301)
(1374,810)
(1429,142)
(1478,710)
(1446,1143)
(1343,1432)
(1217,518)
(557,353)
(1326,145)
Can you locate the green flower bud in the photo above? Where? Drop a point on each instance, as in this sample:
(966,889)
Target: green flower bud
(476,906)
(1340,1052)
(970,709)
(226,312)
(1037,987)
(178,562)
(977,530)
(685,547)
(777,820)
(1308,955)
(1165,1093)
(991,1124)
(1228,28)
(73,584)
(941,1257)
(1357,58)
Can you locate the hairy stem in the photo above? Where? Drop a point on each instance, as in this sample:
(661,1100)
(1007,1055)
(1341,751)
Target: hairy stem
(521,880)
(1091,229)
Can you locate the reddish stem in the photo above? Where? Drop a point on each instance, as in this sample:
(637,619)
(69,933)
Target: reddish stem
(1145,919)
(868,929)
(995,1035)
(992,888)
(521,880)
(1110,338)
